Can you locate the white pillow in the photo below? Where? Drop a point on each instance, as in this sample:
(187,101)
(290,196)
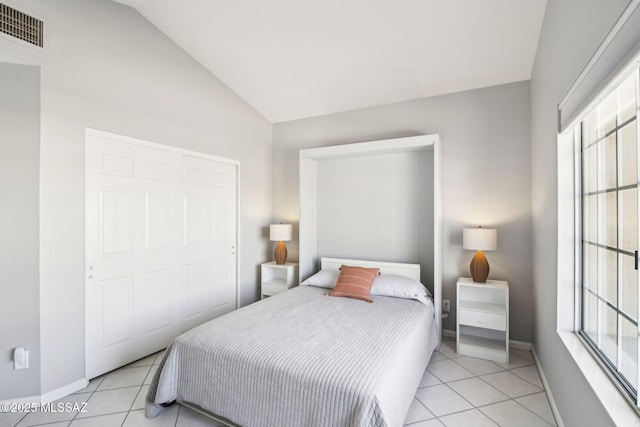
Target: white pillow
(392,285)
(322,279)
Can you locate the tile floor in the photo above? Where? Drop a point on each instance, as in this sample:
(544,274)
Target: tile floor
(464,391)
(454,391)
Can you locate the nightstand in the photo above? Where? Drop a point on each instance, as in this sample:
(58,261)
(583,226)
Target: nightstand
(276,278)
(482,328)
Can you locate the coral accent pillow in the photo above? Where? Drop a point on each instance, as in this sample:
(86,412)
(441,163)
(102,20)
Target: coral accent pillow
(355,282)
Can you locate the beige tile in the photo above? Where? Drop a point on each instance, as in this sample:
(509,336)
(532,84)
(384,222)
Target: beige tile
(140,398)
(478,392)
(437,356)
(417,412)
(428,379)
(111,420)
(448,370)
(428,423)
(510,384)
(529,373)
(515,361)
(441,400)
(523,354)
(166,418)
(478,366)
(539,405)
(448,348)
(124,377)
(145,361)
(11,418)
(469,418)
(110,401)
(512,414)
(58,424)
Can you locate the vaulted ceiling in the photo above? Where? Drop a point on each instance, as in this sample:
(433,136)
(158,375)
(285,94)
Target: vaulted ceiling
(292,59)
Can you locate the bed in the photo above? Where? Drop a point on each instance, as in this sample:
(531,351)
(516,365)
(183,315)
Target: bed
(302,358)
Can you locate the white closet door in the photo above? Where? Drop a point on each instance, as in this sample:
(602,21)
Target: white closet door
(208,239)
(160,247)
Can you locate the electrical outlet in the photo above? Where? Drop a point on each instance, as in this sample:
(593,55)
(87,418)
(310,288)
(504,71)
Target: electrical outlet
(446,305)
(20,358)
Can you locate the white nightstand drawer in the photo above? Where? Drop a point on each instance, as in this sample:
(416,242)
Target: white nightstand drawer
(483,320)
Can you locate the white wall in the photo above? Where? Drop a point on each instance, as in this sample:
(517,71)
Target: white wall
(571,32)
(106,67)
(19,286)
(374,206)
(486,175)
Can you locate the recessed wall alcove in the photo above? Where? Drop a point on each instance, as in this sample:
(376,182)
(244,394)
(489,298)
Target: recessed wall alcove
(377,200)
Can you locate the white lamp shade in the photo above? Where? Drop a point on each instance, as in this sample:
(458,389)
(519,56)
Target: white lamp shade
(280,232)
(480,239)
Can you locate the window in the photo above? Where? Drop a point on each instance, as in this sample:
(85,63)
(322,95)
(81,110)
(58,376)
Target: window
(608,303)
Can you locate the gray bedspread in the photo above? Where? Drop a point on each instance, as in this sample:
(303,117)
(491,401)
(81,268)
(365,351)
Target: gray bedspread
(301,358)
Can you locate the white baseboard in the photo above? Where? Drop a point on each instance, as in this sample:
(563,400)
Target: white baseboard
(50,396)
(545,383)
(520,345)
(63,391)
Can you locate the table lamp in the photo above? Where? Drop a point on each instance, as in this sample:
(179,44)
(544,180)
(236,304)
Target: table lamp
(480,239)
(280,233)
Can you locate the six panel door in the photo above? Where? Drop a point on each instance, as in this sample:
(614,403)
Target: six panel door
(161,229)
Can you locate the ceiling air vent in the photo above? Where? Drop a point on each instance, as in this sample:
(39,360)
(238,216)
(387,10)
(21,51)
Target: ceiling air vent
(20,25)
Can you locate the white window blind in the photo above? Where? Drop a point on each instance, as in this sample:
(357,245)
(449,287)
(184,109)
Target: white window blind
(616,56)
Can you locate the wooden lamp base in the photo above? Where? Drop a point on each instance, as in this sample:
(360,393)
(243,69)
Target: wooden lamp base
(281,253)
(479,267)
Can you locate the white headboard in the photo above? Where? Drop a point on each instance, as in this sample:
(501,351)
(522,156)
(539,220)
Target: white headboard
(401,269)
